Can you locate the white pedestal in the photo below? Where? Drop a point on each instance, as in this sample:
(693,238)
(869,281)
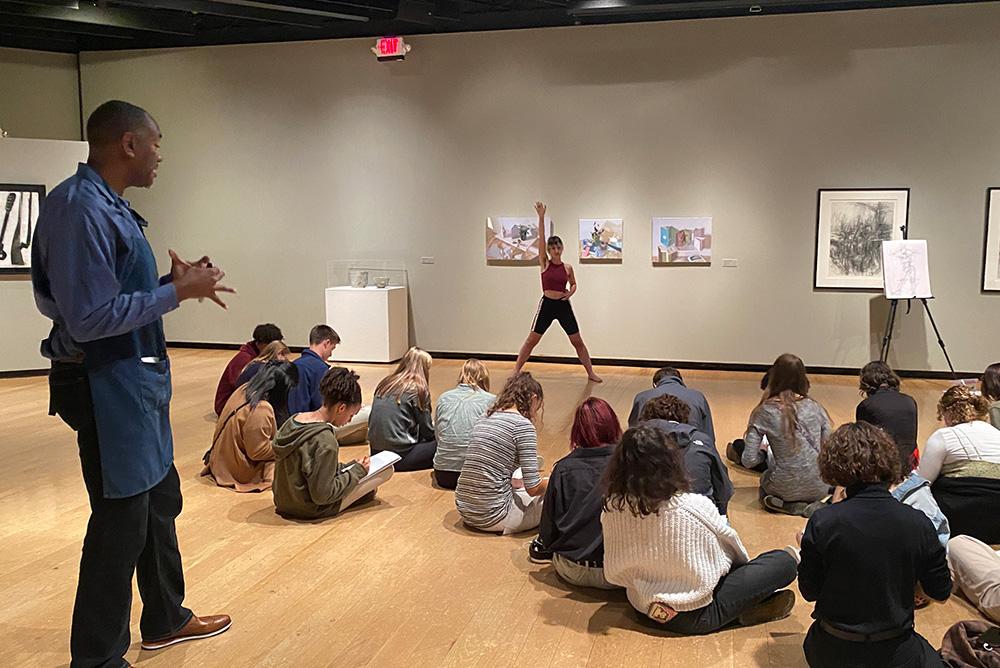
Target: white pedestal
(372,322)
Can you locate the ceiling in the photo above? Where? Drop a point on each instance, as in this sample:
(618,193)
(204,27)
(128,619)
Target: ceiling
(72,26)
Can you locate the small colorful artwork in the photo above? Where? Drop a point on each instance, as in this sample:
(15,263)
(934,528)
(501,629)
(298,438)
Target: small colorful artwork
(513,240)
(682,241)
(601,239)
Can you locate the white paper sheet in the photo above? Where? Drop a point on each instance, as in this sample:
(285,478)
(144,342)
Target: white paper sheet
(905,270)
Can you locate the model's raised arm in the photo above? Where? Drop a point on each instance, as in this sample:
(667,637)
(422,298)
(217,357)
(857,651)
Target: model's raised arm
(543,256)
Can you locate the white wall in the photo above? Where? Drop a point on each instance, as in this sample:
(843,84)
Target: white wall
(30,161)
(39,96)
(280,158)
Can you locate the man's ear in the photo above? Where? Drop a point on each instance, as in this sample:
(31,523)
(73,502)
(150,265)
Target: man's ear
(128,144)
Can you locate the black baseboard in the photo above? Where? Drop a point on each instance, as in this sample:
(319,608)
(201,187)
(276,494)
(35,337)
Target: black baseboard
(26,373)
(615,361)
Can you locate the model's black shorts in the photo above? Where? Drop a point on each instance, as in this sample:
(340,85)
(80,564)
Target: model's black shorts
(555,309)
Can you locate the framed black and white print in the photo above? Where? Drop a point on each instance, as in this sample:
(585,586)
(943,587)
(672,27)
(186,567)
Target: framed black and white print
(850,228)
(991,244)
(19,207)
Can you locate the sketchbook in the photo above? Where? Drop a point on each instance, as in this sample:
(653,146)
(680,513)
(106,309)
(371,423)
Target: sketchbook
(380,462)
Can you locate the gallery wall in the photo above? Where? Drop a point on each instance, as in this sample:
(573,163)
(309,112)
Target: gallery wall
(281,158)
(39,97)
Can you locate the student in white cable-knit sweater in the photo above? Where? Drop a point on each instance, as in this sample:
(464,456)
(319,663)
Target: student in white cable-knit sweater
(681,564)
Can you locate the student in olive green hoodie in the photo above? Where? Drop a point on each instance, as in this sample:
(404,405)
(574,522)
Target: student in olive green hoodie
(309,480)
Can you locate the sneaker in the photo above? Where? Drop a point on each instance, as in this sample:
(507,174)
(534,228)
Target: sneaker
(777,606)
(777,505)
(732,455)
(537,554)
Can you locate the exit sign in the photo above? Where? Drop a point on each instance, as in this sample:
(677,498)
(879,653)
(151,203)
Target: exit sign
(390,48)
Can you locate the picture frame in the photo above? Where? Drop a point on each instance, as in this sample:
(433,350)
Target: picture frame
(991,242)
(851,224)
(20,205)
(681,241)
(601,240)
(513,241)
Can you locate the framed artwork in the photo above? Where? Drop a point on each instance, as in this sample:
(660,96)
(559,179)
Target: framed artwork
(850,228)
(682,241)
(513,241)
(19,207)
(991,243)
(601,240)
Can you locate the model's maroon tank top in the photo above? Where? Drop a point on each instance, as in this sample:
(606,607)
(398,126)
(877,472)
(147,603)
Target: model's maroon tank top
(555,277)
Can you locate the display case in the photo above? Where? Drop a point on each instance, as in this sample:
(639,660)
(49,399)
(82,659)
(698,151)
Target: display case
(367,303)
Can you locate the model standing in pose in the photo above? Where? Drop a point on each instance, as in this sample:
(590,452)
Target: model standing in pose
(556,275)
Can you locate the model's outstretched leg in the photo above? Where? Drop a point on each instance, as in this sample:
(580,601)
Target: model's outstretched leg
(525,352)
(584,355)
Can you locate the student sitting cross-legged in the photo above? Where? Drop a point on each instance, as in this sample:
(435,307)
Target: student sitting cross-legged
(309,480)
(886,407)
(680,562)
(705,471)
(274,351)
(863,558)
(794,426)
(500,489)
(241,456)
(668,380)
(401,420)
(458,409)
(570,533)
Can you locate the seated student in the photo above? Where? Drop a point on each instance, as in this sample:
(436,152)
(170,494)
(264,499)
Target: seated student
(457,412)
(680,562)
(975,567)
(990,388)
(500,489)
(275,350)
(705,471)
(312,367)
(794,426)
(262,335)
(863,558)
(734,450)
(886,407)
(962,462)
(668,381)
(241,456)
(309,480)
(400,419)
(570,531)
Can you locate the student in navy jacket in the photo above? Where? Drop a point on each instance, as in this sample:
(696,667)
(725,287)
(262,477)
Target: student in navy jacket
(668,381)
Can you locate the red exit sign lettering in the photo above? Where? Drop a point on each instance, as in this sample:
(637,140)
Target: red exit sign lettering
(390,48)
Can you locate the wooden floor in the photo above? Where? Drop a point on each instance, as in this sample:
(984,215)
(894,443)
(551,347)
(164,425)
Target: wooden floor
(396,583)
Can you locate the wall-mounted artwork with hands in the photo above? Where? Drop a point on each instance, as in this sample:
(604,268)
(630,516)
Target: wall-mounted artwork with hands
(513,241)
(682,241)
(19,207)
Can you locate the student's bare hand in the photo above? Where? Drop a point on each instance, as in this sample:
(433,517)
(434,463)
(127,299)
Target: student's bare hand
(540,208)
(366,462)
(201,283)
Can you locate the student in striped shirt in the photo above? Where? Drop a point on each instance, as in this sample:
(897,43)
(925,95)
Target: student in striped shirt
(500,489)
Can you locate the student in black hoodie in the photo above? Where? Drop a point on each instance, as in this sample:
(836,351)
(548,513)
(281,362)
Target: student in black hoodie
(705,470)
(570,532)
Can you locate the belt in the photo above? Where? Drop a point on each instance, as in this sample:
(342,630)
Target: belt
(850,636)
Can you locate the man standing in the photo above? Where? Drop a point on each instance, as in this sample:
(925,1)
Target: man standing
(94,276)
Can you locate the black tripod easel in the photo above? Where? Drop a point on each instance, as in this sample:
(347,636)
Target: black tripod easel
(891,324)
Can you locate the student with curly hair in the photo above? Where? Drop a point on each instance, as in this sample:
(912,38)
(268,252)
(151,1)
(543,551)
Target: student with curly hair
(990,388)
(570,533)
(309,480)
(500,489)
(863,558)
(962,462)
(886,407)
(794,425)
(400,419)
(705,470)
(680,562)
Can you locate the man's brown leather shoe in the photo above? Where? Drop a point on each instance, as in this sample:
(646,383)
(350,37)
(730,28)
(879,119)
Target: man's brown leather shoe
(197,628)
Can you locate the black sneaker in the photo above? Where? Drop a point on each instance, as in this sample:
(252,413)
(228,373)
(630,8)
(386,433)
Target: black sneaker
(776,606)
(537,553)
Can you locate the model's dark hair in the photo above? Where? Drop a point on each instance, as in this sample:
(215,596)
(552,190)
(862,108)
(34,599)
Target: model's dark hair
(858,452)
(110,121)
(665,407)
(321,333)
(765,380)
(266,333)
(786,381)
(961,404)
(991,382)
(272,383)
(517,393)
(646,470)
(666,372)
(340,386)
(876,375)
(554,241)
(595,424)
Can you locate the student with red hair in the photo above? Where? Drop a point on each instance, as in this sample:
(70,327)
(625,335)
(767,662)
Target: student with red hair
(570,533)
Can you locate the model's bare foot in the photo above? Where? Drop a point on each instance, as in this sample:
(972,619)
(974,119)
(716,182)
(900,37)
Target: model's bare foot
(594,378)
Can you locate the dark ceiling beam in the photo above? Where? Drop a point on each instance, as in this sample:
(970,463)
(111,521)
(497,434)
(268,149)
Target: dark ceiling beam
(233,11)
(127,19)
(308,7)
(65,4)
(61,28)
